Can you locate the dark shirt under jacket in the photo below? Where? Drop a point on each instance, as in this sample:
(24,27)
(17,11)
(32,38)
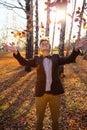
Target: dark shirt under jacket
(37,61)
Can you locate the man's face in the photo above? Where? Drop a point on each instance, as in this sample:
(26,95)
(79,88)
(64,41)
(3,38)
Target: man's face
(45,46)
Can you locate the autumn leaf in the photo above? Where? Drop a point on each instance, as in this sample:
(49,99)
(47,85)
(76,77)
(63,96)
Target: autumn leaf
(23,34)
(84,19)
(25,30)
(47,3)
(58,28)
(48,21)
(74,36)
(85,25)
(69,15)
(76,20)
(79,8)
(12,32)
(18,33)
(13,43)
(15,35)
(43,34)
(78,25)
(33,7)
(45,9)
(42,25)
(30,29)
(42,30)
(77,12)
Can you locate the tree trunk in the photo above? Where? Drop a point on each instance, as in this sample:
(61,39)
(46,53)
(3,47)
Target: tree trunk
(53,34)
(48,18)
(63,5)
(68,46)
(61,47)
(80,22)
(29,45)
(37,28)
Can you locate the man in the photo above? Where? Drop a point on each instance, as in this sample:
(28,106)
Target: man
(48,85)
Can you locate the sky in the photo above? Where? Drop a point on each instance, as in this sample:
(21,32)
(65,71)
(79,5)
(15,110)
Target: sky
(17,19)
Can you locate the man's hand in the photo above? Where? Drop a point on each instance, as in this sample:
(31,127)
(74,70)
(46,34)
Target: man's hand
(10,48)
(80,44)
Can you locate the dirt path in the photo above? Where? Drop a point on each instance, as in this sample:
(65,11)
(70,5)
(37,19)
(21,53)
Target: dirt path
(17,101)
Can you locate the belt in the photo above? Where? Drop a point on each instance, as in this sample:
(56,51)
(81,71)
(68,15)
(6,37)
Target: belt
(48,92)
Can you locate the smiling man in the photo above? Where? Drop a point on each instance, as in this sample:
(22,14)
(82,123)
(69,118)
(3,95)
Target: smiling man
(45,47)
(48,85)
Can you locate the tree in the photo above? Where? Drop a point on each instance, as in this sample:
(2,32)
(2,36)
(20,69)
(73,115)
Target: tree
(29,27)
(81,19)
(62,6)
(29,43)
(37,28)
(71,26)
(48,19)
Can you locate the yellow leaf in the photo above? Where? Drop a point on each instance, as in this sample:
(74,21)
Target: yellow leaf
(47,3)
(49,21)
(45,9)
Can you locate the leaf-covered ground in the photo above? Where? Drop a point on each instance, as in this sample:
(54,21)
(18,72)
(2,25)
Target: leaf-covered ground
(17,100)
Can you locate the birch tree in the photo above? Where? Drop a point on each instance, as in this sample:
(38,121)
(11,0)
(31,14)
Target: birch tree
(29,43)
(27,8)
(63,6)
(37,29)
(48,19)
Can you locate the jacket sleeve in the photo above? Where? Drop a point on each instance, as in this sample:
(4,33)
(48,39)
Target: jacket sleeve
(68,59)
(22,61)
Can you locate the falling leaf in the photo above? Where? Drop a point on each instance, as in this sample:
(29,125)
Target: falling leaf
(85,25)
(78,8)
(12,32)
(13,43)
(30,28)
(15,35)
(77,12)
(76,20)
(69,15)
(42,30)
(33,7)
(25,30)
(74,36)
(84,19)
(48,21)
(59,28)
(23,34)
(47,3)
(18,33)
(42,25)
(45,9)
(78,25)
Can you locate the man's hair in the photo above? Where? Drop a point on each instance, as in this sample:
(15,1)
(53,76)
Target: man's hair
(44,40)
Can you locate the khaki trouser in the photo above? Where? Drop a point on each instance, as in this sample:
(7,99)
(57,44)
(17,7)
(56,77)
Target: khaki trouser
(54,104)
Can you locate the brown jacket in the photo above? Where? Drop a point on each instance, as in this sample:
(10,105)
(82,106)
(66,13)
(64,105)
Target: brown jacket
(56,86)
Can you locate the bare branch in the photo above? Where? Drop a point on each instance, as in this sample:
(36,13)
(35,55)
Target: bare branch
(11,6)
(21,5)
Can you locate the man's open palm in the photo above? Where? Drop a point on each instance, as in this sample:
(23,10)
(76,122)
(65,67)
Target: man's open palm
(9,47)
(81,43)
